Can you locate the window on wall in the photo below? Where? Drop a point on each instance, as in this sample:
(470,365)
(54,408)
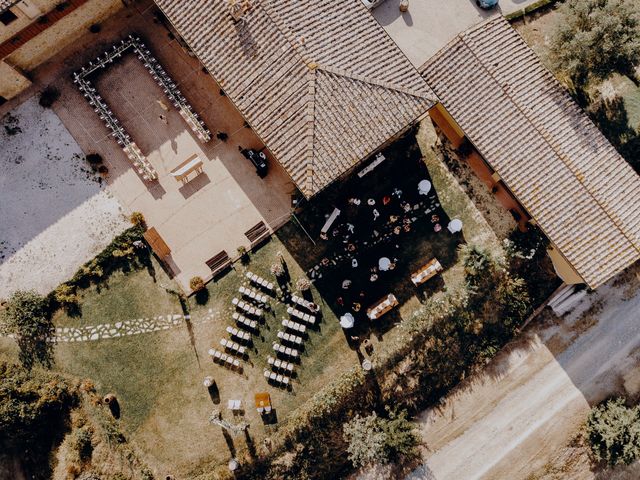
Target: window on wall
(7,17)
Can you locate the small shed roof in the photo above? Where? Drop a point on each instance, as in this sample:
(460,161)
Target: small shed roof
(157,244)
(320,82)
(565,173)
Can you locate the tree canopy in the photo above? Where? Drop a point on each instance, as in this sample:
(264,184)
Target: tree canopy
(613,430)
(28,319)
(596,38)
(374,439)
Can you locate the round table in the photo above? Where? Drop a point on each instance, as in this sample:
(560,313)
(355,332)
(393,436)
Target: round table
(383,264)
(347,321)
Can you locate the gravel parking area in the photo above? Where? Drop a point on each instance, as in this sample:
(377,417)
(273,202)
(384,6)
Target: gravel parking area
(55,212)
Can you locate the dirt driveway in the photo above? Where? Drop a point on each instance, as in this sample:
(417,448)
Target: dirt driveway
(531,400)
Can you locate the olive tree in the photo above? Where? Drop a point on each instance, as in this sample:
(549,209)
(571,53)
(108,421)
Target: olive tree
(596,38)
(374,439)
(613,431)
(28,319)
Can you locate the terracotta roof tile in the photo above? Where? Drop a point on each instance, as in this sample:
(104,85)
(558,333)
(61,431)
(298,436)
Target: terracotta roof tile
(582,193)
(319,81)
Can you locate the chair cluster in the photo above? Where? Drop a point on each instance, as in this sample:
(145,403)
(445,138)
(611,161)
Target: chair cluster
(245,322)
(290,338)
(247,308)
(239,334)
(234,347)
(295,326)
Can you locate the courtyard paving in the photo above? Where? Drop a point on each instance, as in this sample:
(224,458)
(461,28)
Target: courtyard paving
(430,24)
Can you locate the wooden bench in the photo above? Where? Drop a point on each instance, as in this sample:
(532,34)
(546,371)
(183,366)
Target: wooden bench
(218,263)
(257,233)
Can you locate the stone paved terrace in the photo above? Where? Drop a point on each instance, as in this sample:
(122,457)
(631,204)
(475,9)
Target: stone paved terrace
(430,24)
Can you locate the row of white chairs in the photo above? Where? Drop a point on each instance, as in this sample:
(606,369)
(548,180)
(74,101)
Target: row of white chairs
(295,326)
(239,334)
(253,295)
(247,307)
(283,380)
(233,346)
(261,282)
(294,312)
(280,364)
(244,321)
(312,307)
(288,351)
(288,337)
(225,359)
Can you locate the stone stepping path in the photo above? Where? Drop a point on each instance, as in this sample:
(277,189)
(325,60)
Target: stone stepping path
(124,328)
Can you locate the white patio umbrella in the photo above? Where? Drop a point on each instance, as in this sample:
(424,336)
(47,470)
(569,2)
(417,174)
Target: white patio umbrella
(455,225)
(347,320)
(424,187)
(384,263)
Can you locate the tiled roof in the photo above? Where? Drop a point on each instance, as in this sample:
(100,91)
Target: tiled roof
(7,4)
(582,193)
(319,81)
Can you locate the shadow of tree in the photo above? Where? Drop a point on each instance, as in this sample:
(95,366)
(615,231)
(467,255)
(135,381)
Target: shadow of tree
(610,115)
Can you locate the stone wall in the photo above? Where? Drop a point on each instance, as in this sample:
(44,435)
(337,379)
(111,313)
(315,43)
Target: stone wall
(62,33)
(12,82)
(51,41)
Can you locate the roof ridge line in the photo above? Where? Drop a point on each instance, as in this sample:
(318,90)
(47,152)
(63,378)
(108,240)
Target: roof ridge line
(311,126)
(372,81)
(297,46)
(575,171)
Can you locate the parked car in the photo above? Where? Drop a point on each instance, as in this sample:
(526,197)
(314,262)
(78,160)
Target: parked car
(486,4)
(371,4)
(259,160)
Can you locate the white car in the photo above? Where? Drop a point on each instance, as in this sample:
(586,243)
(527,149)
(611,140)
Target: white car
(371,4)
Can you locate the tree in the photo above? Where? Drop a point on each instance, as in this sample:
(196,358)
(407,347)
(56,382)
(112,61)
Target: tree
(28,319)
(34,415)
(613,431)
(597,38)
(374,439)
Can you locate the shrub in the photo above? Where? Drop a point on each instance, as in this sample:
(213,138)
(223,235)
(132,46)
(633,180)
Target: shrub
(95,28)
(303,284)
(34,412)
(374,439)
(137,219)
(613,431)
(196,284)
(65,294)
(49,96)
(103,170)
(29,319)
(94,159)
(82,443)
(243,254)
